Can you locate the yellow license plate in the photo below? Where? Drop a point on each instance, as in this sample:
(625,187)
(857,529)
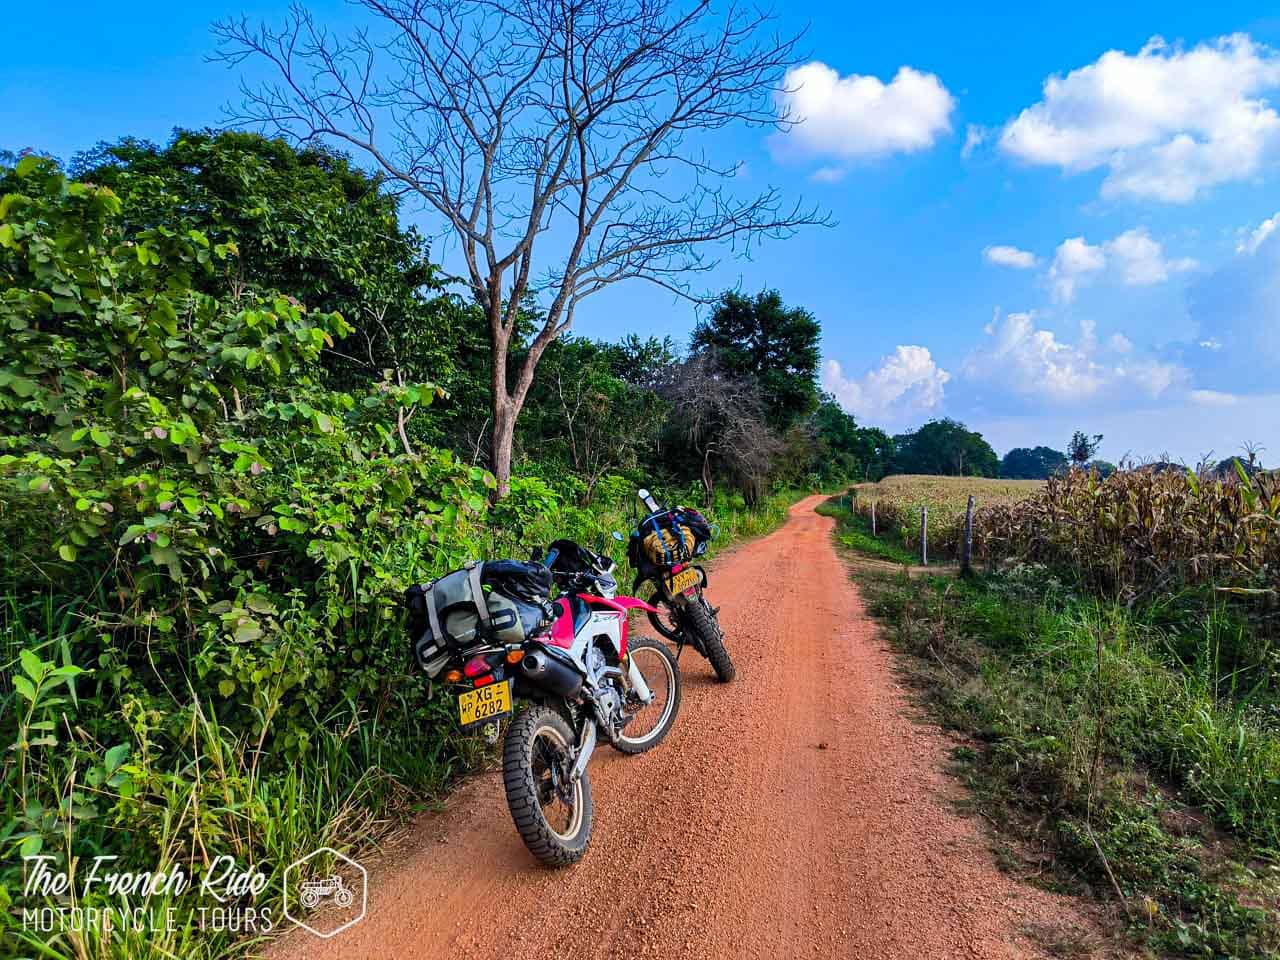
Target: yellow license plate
(484,703)
(686,578)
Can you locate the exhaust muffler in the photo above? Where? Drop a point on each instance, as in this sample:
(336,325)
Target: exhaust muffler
(544,670)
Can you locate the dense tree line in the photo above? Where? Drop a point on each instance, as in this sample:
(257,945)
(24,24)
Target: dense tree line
(1032,463)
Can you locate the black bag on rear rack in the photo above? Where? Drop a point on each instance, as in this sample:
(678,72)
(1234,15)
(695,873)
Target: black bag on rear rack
(454,612)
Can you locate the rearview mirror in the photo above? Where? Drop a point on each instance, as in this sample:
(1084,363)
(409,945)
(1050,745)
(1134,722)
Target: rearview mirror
(619,537)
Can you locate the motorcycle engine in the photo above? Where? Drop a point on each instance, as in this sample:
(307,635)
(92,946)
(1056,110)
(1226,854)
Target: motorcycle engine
(608,693)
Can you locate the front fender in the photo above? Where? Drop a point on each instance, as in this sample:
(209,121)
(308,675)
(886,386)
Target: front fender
(628,603)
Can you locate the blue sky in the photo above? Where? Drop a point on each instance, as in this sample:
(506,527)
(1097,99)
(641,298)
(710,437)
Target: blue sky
(1044,221)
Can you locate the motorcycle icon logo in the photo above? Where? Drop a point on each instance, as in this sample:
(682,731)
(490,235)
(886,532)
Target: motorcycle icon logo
(325,905)
(313,891)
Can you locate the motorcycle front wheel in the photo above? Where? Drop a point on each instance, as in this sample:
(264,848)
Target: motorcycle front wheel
(648,724)
(552,812)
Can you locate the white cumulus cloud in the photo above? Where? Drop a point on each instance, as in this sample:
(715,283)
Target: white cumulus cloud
(1033,362)
(856,116)
(1256,237)
(1073,260)
(906,383)
(1006,256)
(1135,257)
(1166,123)
(1141,259)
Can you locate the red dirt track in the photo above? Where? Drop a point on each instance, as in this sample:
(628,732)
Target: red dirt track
(796,812)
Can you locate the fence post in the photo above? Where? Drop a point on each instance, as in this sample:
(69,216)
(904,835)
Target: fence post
(873,518)
(966,558)
(924,536)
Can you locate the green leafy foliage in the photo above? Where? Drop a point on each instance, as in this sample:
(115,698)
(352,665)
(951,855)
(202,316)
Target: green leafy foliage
(944,447)
(207,531)
(1082,447)
(217,539)
(593,409)
(774,345)
(841,450)
(302,221)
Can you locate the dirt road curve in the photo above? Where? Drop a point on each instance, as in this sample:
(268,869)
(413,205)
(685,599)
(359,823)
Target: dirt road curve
(797,812)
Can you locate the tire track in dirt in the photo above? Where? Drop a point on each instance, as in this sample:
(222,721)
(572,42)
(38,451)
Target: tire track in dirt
(796,812)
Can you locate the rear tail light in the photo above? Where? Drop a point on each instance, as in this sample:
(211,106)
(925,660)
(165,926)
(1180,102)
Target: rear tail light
(476,666)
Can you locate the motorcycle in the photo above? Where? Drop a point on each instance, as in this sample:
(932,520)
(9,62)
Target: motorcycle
(584,678)
(679,611)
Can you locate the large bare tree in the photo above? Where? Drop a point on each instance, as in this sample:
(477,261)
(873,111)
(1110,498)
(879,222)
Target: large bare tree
(576,127)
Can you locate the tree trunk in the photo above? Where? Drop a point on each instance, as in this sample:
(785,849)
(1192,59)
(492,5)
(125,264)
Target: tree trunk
(508,402)
(504,411)
(504,432)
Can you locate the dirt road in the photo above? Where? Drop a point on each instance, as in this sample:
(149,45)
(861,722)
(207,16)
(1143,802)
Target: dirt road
(797,812)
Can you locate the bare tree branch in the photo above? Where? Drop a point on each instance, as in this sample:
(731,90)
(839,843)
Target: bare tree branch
(576,126)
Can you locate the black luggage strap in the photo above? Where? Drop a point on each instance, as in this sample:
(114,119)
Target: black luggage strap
(429,596)
(474,571)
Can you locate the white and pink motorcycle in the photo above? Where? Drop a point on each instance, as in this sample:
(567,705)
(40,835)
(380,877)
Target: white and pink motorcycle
(572,659)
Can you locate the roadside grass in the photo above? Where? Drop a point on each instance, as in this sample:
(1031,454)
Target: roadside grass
(1130,754)
(854,532)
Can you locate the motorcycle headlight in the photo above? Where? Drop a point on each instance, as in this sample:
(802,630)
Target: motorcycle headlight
(608,586)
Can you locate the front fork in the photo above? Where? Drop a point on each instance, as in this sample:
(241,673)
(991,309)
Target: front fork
(589,736)
(586,746)
(640,688)
(678,602)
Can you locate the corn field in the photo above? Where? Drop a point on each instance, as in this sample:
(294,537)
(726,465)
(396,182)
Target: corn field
(899,499)
(1142,530)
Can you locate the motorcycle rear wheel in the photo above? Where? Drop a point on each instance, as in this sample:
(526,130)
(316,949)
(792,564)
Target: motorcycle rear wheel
(693,622)
(552,815)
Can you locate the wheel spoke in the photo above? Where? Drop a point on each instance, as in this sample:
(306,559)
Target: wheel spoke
(549,760)
(647,719)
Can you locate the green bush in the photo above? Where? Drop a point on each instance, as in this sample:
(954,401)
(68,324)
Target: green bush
(204,547)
